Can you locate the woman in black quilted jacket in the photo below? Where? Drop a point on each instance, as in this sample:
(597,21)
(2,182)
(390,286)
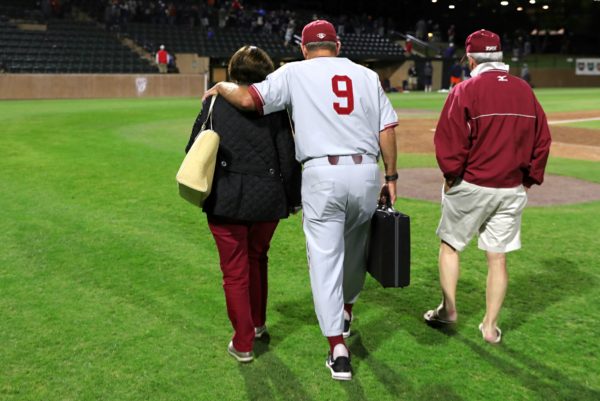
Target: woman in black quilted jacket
(256,183)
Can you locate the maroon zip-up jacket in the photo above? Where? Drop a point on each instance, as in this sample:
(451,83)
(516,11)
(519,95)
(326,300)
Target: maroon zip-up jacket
(492,131)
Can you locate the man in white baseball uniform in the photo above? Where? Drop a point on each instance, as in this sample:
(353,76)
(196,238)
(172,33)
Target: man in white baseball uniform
(344,122)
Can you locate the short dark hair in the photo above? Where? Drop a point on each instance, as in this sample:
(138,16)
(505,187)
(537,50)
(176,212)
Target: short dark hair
(249,65)
(331,46)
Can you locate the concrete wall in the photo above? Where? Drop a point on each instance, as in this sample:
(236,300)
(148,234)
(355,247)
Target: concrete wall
(548,78)
(218,74)
(398,73)
(191,63)
(540,78)
(436,79)
(78,86)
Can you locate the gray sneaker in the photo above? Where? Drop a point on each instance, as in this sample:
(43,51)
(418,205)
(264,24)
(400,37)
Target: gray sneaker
(240,356)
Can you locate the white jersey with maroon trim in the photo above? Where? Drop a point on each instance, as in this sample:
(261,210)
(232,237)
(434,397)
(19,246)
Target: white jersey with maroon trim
(338,107)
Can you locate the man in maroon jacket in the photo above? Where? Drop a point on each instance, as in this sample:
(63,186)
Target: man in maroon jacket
(492,143)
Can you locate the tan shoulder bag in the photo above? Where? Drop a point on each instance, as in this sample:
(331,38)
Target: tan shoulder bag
(195,176)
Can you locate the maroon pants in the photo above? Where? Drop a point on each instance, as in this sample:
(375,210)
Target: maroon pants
(243,253)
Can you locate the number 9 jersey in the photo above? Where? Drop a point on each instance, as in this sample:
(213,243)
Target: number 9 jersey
(338,106)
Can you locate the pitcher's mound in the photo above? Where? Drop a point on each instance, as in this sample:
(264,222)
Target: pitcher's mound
(426,184)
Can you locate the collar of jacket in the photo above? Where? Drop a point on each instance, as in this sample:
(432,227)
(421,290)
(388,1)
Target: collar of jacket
(485,67)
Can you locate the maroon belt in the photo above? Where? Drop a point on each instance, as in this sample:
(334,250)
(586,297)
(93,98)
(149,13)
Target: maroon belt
(333,160)
(336,160)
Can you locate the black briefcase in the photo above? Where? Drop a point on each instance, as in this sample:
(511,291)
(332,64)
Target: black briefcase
(389,247)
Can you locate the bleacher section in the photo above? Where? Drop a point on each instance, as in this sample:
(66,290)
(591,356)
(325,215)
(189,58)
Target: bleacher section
(220,44)
(369,46)
(21,10)
(37,40)
(223,43)
(67,47)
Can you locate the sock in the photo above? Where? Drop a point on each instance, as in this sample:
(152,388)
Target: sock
(348,311)
(339,350)
(334,341)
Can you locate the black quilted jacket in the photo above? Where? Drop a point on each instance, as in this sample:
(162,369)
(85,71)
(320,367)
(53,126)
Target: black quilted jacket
(256,177)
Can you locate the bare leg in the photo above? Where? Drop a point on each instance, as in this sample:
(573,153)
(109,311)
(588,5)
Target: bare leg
(449,267)
(497,282)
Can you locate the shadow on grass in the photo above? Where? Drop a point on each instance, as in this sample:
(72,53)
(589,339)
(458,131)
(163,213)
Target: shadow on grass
(531,294)
(270,378)
(294,315)
(546,382)
(395,384)
(403,309)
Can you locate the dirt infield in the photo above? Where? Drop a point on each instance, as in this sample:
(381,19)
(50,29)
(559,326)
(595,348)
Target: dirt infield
(426,184)
(416,136)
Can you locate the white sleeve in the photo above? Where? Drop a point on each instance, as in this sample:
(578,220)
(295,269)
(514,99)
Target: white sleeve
(272,94)
(388,117)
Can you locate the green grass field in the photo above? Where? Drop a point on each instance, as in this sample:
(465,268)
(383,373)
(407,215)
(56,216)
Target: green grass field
(587,124)
(110,287)
(552,99)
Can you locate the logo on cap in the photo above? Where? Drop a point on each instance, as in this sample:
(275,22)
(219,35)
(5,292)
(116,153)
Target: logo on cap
(318,31)
(482,41)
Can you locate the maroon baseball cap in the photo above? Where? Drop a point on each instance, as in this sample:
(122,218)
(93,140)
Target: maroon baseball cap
(319,31)
(482,41)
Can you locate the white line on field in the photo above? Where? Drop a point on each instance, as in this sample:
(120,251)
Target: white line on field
(576,145)
(577,120)
(553,122)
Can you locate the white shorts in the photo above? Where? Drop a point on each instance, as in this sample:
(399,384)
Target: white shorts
(493,213)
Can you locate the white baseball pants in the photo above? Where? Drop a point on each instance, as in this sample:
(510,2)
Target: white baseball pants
(338,202)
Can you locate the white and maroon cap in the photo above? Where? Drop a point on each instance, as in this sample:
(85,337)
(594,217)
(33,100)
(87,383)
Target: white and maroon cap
(483,41)
(319,31)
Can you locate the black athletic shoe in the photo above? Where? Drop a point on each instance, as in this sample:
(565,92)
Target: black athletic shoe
(340,367)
